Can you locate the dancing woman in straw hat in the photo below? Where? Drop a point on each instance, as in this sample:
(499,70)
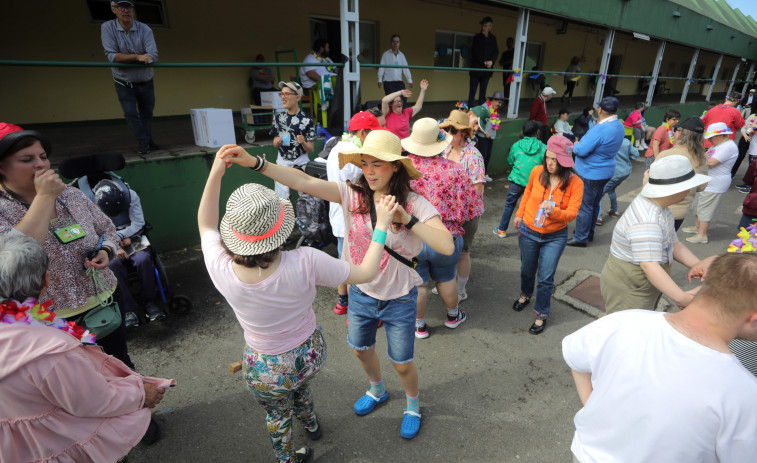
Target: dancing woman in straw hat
(272,293)
(392,296)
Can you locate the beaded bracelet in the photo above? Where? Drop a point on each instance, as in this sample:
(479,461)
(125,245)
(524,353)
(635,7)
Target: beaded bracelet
(259,166)
(379,236)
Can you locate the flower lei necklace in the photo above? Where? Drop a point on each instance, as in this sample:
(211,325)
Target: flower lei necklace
(671,138)
(323,60)
(495,120)
(32,313)
(354,139)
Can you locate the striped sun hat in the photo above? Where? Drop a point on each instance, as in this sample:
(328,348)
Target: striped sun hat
(256,220)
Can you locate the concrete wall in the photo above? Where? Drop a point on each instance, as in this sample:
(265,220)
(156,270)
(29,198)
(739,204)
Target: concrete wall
(171,188)
(236,31)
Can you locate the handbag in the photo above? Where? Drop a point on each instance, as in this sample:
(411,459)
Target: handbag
(104,318)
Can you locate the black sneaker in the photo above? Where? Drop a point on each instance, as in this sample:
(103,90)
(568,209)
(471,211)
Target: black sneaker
(131,320)
(316,433)
(154,312)
(303,454)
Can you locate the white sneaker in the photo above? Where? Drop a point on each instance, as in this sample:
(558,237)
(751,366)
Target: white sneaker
(691,230)
(488,179)
(435,291)
(698,239)
(462,295)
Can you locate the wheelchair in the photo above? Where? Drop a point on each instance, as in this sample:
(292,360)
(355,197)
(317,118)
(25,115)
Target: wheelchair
(87,171)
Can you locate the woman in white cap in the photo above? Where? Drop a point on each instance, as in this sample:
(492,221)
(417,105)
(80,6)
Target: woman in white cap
(391,297)
(272,293)
(445,184)
(720,159)
(644,242)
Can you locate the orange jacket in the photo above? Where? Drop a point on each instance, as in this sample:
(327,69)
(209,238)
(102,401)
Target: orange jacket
(566,203)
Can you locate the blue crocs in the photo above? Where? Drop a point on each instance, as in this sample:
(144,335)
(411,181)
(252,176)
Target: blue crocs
(411,424)
(368,402)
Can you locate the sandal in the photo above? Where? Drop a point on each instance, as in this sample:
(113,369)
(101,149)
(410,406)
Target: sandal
(519,305)
(368,402)
(411,424)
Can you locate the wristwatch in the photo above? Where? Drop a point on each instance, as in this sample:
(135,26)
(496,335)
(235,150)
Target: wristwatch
(413,221)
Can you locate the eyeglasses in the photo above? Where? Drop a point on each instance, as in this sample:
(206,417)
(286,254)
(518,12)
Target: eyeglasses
(286,94)
(123,7)
(451,130)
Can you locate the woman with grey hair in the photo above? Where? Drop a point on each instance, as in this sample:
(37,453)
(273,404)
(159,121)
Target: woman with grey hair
(62,400)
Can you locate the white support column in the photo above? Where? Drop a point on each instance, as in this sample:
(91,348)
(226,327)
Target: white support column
(749,77)
(519,56)
(655,73)
(350,28)
(603,67)
(689,76)
(733,79)
(714,77)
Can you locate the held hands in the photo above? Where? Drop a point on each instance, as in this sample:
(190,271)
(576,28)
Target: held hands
(153,395)
(386,207)
(146,59)
(48,183)
(233,154)
(424,85)
(121,254)
(488,64)
(517,221)
(100,261)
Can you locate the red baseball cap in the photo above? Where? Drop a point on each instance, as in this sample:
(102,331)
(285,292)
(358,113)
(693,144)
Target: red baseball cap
(364,120)
(11,133)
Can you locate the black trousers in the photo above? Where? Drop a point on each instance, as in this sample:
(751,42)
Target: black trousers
(485,147)
(743,147)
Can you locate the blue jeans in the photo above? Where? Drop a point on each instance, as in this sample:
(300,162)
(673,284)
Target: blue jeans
(514,192)
(398,316)
(587,215)
(539,255)
(746,220)
(441,268)
(138,103)
(609,190)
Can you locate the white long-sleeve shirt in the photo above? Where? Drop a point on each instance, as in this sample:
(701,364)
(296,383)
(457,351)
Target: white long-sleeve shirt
(393,74)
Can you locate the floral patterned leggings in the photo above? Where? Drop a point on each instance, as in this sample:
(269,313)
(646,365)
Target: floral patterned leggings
(281,385)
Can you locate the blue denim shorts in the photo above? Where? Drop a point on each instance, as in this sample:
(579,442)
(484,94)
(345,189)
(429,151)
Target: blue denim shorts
(339,245)
(439,267)
(398,316)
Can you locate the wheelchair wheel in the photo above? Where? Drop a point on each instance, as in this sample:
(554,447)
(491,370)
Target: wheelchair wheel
(180,305)
(249,136)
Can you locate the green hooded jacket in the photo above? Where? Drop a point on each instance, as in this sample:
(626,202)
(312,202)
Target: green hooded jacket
(525,154)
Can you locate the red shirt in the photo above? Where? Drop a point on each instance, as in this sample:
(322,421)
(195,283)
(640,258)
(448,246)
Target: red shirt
(399,124)
(724,113)
(661,135)
(539,111)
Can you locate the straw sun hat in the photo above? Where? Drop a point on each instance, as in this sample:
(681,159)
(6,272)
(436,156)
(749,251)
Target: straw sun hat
(256,220)
(426,139)
(383,145)
(457,119)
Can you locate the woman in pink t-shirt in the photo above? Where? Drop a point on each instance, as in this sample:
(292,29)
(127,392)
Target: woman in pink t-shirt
(398,119)
(634,121)
(272,293)
(391,297)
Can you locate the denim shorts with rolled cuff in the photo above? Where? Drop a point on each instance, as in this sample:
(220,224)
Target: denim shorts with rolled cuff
(437,266)
(398,316)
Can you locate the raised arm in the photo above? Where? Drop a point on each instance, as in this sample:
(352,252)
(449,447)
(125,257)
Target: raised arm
(387,100)
(207,213)
(368,269)
(293,178)
(421,96)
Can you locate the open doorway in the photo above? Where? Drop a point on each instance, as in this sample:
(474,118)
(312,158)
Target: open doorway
(322,27)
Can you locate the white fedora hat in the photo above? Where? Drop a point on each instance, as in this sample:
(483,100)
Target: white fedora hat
(671,175)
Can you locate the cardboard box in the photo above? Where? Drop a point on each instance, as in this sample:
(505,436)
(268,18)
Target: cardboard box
(213,127)
(271,99)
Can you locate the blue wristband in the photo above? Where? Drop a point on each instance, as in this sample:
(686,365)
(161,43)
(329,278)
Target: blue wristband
(379,236)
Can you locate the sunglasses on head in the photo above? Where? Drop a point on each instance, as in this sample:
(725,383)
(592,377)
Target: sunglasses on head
(451,130)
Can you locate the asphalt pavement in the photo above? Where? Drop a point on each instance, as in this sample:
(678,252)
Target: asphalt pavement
(490,391)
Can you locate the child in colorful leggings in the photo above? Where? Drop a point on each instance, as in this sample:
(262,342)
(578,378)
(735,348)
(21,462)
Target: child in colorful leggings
(271,292)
